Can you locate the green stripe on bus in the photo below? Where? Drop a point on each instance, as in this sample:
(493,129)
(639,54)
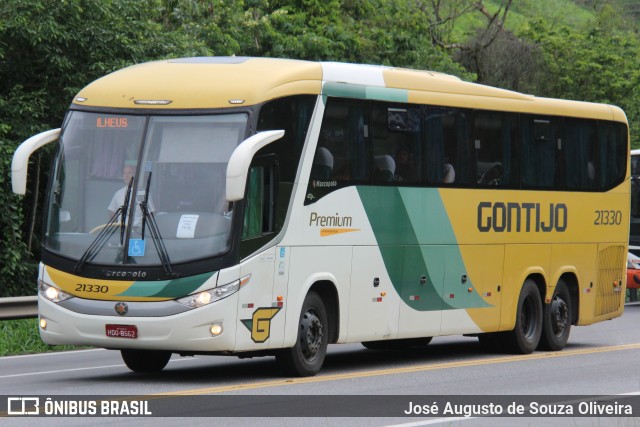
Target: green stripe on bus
(346,90)
(419,248)
(167,288)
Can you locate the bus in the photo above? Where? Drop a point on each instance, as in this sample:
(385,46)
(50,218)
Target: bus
(270,207)
(634,227)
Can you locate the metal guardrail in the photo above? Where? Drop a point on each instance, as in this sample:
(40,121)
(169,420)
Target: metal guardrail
(18,308)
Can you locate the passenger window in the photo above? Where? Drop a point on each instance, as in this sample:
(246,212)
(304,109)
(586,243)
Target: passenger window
(612,154)
(448,146)
(495,140)
(540,144)
(342,155)
(580,154)
(396,144)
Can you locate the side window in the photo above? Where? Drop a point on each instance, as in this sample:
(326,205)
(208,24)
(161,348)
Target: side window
(260,201)
(447,146)
(579,154)
(396,147)
(612,154)
(539,155)
(342,155)
(495,141)
(291,114)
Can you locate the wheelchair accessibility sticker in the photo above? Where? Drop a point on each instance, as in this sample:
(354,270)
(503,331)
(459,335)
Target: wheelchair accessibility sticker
(136,247)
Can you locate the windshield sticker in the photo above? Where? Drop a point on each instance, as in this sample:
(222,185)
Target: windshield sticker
(187,226)
(136,247)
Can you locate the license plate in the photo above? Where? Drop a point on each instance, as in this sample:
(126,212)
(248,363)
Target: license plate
(122,331)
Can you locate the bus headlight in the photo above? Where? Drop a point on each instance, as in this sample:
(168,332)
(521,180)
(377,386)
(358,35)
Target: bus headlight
(209,296)
(52,293)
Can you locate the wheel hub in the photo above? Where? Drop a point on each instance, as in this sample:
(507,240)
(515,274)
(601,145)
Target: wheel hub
(310,335)
(559,315)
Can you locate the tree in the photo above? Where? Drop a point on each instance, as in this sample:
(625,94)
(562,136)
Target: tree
(49,49)
(600,66)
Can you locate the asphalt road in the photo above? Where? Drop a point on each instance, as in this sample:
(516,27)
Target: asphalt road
(600,360)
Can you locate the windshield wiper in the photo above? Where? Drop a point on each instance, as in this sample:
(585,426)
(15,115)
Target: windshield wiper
(147,216)
(107,231)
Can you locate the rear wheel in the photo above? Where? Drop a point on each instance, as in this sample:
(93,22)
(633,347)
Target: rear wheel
(524,338)
(556,325)
(145,361)
(305,358)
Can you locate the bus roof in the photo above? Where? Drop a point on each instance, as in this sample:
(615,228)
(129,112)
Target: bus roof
(222,82)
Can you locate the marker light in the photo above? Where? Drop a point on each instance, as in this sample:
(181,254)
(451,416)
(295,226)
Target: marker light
(152,101)
(43,323)
(52,293)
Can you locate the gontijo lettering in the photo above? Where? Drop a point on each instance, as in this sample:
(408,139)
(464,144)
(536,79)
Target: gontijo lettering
(522,217)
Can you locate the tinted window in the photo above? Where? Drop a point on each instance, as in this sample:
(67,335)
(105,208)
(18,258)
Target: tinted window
(580,154)
(539,137)
(448,146)
(612,154)
(396,144)
(495,141)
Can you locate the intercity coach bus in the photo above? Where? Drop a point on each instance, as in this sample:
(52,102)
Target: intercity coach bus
(257,206)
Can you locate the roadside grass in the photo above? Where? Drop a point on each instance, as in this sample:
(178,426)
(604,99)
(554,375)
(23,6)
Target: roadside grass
(22,337)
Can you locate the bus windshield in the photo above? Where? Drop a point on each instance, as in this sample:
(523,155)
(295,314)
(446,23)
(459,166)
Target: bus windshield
(126,188)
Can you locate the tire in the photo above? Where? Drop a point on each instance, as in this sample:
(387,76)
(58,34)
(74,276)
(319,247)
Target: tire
(145,361)
(306,357)
(401,344)
(524,338)
(557,316)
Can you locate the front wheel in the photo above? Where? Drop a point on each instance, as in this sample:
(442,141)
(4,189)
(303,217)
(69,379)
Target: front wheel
(556,325)
(145,361)
(524,338)
(305,358)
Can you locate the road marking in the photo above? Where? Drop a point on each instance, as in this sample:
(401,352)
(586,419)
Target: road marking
(28,374)
(121,365)
(51,353)
(401,370)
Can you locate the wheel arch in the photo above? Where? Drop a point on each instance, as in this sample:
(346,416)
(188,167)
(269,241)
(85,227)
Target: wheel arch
(540,282)
(328,292)
(571,280)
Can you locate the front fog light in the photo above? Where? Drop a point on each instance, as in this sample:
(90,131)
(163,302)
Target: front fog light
(216,329)
(52,293)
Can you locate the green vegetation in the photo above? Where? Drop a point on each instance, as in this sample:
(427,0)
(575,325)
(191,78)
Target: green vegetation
(21,337)
(581,49)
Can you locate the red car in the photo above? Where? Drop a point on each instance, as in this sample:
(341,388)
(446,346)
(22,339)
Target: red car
(633,275)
